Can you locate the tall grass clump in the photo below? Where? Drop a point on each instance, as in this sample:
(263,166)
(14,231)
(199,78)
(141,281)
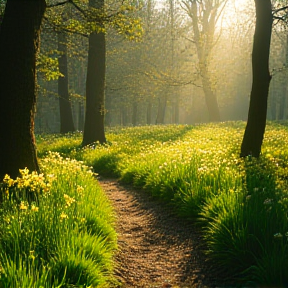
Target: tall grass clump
(56,228)
(246,228)
(68,145)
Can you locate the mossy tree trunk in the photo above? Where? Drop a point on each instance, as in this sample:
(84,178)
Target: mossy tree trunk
(19,43)
(95,85)
(256,123)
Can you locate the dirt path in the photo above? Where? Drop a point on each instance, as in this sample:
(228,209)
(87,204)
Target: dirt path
(157,249)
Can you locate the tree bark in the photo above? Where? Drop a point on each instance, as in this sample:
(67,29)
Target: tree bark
(95,85)
(256,123)
(19,43)
(66,116)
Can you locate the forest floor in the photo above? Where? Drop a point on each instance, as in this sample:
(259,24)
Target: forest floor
(156,248)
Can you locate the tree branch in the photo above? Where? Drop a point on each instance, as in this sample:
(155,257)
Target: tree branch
(58,4)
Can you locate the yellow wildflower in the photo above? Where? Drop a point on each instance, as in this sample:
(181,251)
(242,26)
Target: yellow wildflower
(80,190)
(23,206)
(34,208)
(69,200)
(63,216)
(8,180)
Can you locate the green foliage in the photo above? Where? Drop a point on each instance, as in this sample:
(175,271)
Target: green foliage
(240,203)
(66,145)
(48,66)
(82,19)
(65,237)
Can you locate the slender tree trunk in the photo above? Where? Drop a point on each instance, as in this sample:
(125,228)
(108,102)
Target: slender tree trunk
(210,97)
(125,115)
(108,114)
(273,105)
(283,103)
(95,86)
(285,86)
(80,116)
(204,39)
(161,110)
(66,116)
(149,113)
(255,129)
(134,112)
(176,110)
(19,43)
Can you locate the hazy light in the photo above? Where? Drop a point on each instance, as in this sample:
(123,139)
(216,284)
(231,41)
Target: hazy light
(234,12)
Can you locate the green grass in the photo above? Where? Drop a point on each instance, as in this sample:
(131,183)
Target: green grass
(241,204)
(57,228)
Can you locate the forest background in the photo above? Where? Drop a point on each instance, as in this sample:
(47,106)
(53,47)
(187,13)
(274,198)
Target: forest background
(156,78)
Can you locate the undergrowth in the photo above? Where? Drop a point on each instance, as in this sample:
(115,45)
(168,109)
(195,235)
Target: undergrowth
(57,228)
(241,204)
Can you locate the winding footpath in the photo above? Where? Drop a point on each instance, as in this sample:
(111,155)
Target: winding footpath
(156,248)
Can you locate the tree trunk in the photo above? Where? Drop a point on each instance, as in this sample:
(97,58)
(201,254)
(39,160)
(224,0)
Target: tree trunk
(19,43)
(149,113)
(162,103)
(210,97)
(134,112)
(95,84)
(255,128)
(204,39)
(108,110)
(80,116)
(176,110)
(285,90)
(66,117)
(283,103)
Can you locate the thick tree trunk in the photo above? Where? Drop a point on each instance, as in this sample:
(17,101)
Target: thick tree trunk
(95,86)
(19,43)
(255,129)
(66,116)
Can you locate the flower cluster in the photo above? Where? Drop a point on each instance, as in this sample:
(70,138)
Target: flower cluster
(27,184)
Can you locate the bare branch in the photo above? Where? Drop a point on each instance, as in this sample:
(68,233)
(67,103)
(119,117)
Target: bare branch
(279,10)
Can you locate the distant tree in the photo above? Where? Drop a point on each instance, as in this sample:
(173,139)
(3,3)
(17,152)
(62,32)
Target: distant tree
(255,128)
(280,15)
(95,83)
(19,43)
(204,15)
(66,117)
(96,71)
